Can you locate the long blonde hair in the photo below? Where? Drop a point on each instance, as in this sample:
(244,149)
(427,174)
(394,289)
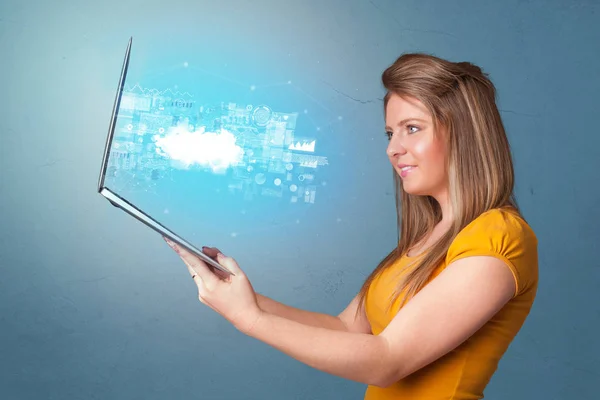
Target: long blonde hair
(461,100)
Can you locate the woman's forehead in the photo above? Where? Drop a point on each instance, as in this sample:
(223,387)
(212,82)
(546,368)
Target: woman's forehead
(400,108)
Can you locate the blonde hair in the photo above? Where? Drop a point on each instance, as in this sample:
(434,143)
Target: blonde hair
(461,100)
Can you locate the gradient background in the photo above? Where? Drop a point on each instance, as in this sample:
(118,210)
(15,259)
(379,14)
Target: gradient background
(94,305)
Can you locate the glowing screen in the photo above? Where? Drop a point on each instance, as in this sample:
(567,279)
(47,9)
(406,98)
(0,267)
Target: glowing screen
(201,151)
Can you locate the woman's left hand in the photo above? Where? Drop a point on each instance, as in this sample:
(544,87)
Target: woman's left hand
(232,296)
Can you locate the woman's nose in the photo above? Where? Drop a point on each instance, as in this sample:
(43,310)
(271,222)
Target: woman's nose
(395,148)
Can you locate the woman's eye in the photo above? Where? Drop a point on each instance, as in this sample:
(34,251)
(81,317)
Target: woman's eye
(389,135)
(412,126)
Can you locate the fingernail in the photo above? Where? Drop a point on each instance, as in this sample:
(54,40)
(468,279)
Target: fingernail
(171,244)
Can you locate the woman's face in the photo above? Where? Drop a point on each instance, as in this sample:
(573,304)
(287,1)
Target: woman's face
(417,153)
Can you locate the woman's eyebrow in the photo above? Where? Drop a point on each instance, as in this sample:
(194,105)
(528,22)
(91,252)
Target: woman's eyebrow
(404,121)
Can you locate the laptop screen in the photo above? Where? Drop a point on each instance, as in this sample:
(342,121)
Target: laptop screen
(219,143)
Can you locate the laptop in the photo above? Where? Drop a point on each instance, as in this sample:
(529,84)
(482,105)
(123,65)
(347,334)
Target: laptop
(126,205)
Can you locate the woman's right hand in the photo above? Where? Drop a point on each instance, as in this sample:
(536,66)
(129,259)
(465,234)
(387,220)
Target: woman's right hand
(212,253)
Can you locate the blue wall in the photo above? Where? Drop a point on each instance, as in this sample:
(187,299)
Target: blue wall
(95,305)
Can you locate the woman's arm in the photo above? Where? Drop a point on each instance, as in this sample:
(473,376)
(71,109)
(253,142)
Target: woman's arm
(310,318)
(445,313)
(354,356)
(345,321)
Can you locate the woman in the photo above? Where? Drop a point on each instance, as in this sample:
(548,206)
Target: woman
(434,318)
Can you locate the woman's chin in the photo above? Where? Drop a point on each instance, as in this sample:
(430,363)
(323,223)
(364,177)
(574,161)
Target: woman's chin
(413,189)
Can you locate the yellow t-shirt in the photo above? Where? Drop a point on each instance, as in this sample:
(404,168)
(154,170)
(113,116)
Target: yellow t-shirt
(464,372)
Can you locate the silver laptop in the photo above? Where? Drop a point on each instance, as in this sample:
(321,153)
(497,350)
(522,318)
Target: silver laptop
(127,206)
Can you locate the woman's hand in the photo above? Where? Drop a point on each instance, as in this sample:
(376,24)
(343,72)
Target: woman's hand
(232,296)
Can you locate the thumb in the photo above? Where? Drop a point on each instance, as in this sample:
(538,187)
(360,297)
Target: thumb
(229,263)
(210,251)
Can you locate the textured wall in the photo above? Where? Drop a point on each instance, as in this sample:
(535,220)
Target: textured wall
(95,305)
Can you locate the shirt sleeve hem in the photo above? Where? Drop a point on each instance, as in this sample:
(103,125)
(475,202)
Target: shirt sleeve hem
(499,256)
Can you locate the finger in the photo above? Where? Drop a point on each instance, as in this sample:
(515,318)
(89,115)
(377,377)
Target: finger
(224,276)
(197,265)
(210,251)
(229,263)
(200,285)
(190,270)
(202,292)
(197,279)
(210,279)
(202,271)
(201,289)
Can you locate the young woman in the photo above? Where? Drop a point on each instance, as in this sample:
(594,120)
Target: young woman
(434,318)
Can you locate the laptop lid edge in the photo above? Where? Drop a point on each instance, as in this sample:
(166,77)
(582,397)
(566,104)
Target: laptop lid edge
(113,118)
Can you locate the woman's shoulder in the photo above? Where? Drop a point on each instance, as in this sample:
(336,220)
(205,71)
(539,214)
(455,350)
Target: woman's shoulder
(501,233)
(505,222)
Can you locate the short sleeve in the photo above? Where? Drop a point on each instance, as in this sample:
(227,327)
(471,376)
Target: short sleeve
(505,235)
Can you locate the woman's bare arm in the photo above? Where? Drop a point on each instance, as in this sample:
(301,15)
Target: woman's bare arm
(345,321)
(302,316)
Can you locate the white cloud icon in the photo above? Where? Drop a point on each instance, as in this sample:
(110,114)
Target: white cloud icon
(217,151)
